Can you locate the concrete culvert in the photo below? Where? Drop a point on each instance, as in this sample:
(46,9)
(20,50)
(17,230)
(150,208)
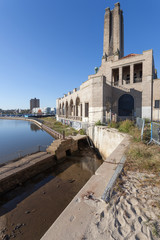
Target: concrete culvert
(68,152)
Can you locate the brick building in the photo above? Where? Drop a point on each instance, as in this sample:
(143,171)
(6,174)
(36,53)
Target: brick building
(123,86)
(34,103)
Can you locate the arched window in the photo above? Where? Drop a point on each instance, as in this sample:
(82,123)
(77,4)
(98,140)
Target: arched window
(77,106)
(67,109)
(71,108)
(62,108)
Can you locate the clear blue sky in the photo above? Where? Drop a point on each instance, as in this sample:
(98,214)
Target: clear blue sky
(49,47)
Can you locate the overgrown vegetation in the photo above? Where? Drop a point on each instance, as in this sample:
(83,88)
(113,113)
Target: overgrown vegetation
(58,126)
(140,156)
(113,124)
(129,127)
(126,126)
(82,132)
(98,123)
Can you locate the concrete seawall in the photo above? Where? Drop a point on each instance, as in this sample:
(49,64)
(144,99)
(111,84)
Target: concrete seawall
(15,173)
(105,139)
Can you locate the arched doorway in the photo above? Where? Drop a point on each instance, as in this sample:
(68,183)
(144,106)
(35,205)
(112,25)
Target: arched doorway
(126,105)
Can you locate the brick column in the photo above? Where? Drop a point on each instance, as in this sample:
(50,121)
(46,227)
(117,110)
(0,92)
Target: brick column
(131,73)
(58,111)
(120,76)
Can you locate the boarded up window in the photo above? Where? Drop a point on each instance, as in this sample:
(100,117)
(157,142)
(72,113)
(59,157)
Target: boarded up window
(86,109)
(157,104)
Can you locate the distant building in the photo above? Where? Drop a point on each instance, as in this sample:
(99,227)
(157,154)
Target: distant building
(34,103)
(41,111)
(53,110)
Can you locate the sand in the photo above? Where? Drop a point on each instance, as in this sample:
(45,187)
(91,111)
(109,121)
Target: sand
(133,212)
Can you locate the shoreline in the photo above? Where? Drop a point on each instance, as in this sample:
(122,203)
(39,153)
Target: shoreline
(50,131)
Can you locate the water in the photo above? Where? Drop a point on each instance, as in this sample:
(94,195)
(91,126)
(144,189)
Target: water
(19,138)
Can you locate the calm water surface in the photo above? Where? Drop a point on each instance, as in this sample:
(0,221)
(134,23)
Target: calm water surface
(18,138)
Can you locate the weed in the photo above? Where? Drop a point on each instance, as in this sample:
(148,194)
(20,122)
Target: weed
(126,126)
(113,124)
(59,127)
(147,120)
(98,123)
(155,229)
(82,132)
(143,158)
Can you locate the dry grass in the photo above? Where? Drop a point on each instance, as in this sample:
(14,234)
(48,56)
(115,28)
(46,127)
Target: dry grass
(143,158)
(58,126)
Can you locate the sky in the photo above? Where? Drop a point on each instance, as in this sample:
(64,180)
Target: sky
(49,47)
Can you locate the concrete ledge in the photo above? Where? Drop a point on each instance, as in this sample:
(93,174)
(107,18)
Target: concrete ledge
(120,149)
(18,172)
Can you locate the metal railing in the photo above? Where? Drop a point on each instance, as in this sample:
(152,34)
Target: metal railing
(78,118)
(140,123)
(52,132)
(155,133)
(22,153)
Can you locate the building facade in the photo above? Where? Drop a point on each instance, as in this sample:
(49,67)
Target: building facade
(42,111)
(34,103)
(123,87)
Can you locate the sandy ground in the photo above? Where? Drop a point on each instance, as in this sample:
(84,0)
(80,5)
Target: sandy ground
(133,212)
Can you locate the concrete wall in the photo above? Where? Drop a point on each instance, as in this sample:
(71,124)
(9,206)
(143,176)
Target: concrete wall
(15,173)
(105,139)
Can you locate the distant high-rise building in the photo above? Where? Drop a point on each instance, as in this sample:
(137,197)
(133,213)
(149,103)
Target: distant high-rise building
(34,103)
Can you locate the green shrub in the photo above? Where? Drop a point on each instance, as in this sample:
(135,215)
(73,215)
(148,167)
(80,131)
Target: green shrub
(113,124)
(135,133)
(126,126)
(147,120)
(82,132)
(98,123)
(58,123)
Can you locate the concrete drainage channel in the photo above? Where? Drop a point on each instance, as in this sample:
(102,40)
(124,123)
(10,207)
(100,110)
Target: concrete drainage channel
(77,216)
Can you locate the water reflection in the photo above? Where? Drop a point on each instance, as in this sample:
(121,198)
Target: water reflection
(34,127)
(20,137)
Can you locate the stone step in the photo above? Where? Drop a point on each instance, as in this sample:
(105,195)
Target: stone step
(51,148)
